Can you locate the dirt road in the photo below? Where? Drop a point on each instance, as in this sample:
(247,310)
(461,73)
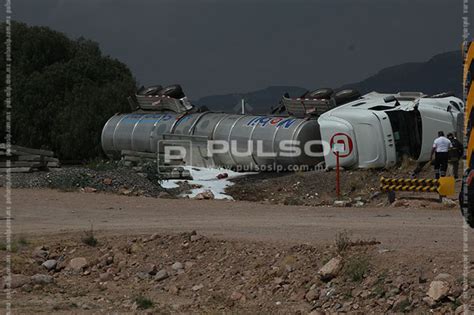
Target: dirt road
(246,258)
(49,211)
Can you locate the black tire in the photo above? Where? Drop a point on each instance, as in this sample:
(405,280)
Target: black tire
(151,90)
(174,91)
(469,215)
(346,96)
(320,94)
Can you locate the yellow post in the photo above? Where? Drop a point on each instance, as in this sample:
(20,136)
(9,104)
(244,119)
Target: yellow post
(446,186)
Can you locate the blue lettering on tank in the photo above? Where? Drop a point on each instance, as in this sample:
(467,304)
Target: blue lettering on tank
(286,123)
(133,118)
(264,121)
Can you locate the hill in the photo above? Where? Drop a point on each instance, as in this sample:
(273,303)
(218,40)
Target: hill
(441,73)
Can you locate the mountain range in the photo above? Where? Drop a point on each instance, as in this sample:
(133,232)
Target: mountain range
(441,73)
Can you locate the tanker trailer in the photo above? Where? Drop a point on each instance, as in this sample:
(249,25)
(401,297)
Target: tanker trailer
(255,142)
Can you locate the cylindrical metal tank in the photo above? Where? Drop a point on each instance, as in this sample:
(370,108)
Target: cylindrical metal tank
(253,141)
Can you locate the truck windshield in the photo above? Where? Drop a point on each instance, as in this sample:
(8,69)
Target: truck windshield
(407,132)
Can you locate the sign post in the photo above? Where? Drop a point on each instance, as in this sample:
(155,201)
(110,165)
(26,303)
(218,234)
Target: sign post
(342,146)
(338,184)
(336,149)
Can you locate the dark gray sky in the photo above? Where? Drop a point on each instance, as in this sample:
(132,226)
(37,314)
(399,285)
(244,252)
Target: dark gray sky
(222,46)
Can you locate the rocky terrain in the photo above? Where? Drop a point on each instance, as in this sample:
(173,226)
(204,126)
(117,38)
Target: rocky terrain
(105,177)
(190,273)
(359,188)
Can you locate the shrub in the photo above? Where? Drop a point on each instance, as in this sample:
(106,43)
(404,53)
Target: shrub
(143,303)
(356,267)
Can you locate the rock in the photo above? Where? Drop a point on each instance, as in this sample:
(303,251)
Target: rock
(134,248)
(401,304)
(205,195)
(161,275)
(177,266)
(173,290)
(235,296)
(400,203)
(312,295)
(278,280)
(89,189)
(143,275)
(41,279)
(150,269)
(122,265)
(107,181)
(438,290)
(106,276)
(342,203)
(197,287)
(109,260)
(316,313)
(50,264)
(359,204)
(165,195)
(195,238)
(125,191)
(459,310)
(222,176)
(429,301)
(449,203)
(446,277)
(40,254)
(399,282)
(77,264)
(331,269)
(188,264)
(17,281)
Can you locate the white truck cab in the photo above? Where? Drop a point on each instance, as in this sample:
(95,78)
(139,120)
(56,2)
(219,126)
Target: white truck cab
(377,130)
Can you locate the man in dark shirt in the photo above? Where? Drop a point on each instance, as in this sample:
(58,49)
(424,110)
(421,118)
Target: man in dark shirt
(455,153)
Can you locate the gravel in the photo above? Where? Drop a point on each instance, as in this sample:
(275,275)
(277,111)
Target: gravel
(118,180)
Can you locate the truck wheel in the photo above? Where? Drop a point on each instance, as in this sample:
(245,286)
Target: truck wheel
(346,96)
(152,90)
(174,91)
(320,94)
(469,203)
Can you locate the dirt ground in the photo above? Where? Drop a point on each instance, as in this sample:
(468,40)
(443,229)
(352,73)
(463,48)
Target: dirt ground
(246,257)
(319,188)
(50,211)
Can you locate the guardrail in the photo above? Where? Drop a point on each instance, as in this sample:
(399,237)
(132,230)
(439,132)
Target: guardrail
(444,186)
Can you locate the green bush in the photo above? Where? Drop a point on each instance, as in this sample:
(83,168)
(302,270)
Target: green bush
(356,267)
(63,91)
(143,303)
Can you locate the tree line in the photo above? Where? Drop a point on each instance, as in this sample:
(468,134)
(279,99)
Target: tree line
(63,91)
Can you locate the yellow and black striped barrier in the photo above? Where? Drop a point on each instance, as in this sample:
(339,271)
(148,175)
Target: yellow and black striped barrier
(466,197)
(444,186)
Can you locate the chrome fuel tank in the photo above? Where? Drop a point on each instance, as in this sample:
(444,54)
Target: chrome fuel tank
(252,140)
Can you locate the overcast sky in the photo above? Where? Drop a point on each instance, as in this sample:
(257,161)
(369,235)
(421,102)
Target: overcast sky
(222,46)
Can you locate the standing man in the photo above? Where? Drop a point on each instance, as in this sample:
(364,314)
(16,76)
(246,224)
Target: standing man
(455,153)
(440,149)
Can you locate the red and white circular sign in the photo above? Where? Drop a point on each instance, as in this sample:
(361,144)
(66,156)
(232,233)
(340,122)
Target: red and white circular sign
(341,144)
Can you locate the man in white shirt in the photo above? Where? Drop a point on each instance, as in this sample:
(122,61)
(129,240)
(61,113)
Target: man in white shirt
(441,147)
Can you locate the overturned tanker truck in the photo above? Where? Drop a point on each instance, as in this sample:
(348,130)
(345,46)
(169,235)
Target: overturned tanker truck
(371,131)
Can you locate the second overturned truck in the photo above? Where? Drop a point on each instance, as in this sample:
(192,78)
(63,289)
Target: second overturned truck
(374,130)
